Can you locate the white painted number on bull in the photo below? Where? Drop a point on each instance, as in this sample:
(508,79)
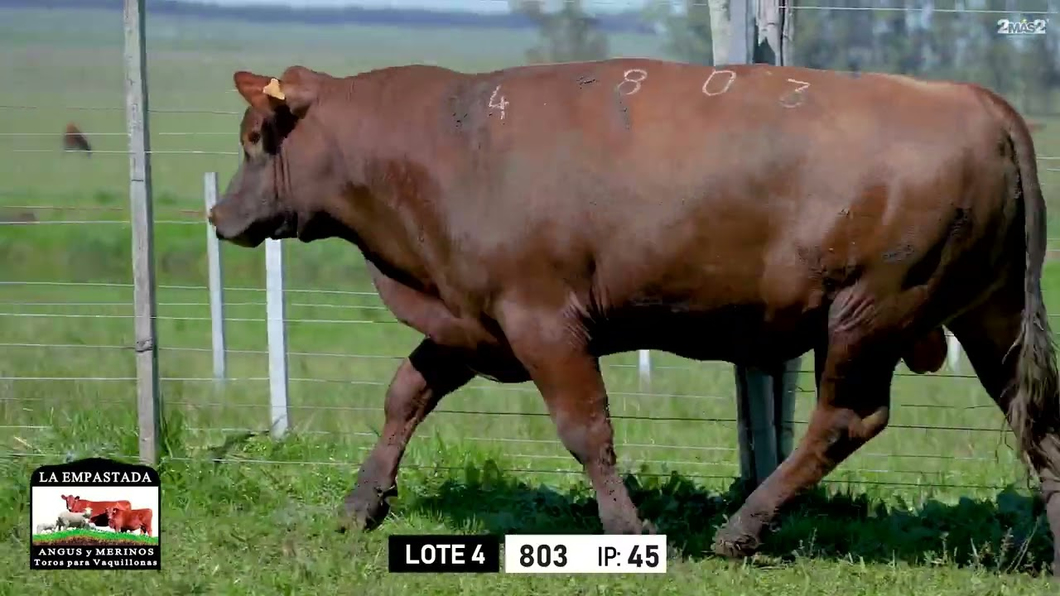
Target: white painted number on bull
(635,77)
(797,96)
(728,75)
(500,105)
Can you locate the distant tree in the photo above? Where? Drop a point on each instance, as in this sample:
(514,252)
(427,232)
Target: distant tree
(567,35)
(689,36)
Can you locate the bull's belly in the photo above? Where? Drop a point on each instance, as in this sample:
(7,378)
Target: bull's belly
(738,334)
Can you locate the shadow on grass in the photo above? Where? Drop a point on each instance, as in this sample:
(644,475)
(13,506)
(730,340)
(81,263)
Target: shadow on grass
(1005,533)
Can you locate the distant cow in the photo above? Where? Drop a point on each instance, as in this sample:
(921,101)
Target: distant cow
(74,140)
(69,519)
(77,505)
(45,527)
(129,520)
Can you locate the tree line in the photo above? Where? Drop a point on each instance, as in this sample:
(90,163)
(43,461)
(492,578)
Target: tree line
(941,39)
(944,39)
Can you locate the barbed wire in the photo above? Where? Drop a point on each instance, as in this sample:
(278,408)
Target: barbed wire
(117,134)
(229,153)
(197,304)
(395,357)
(933,9)
(122,109)
(568,471)
(126,151)
(544,442)
(924,485)
(464,412)
(502,388)
(65,222)
(107,284)
(524,390)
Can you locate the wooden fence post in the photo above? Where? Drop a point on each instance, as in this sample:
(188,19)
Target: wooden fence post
(142,217)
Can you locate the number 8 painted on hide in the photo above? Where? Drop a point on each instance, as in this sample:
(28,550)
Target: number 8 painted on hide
(627,78)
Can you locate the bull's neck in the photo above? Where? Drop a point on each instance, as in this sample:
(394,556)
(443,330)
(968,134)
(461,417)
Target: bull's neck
(390,204)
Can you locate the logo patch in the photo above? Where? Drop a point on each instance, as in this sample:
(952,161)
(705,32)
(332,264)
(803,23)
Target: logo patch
(95,514)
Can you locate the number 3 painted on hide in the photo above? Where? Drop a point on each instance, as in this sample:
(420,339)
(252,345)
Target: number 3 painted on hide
(796,97)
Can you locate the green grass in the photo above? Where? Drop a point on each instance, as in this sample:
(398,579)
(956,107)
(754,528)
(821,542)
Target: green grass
(917,511)
(96,534)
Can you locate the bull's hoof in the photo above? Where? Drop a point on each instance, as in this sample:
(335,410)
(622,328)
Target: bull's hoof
(627,525)
(734,543)
(648,528)
(365,508)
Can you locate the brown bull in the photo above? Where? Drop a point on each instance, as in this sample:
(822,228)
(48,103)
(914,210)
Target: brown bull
(529,221)
(100,509)
(130,520)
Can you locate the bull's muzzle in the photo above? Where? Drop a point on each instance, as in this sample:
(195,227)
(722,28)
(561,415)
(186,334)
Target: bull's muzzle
(228,228)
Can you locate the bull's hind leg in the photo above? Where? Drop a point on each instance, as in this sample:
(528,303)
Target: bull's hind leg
(853,406)
(424,378)
(988,335)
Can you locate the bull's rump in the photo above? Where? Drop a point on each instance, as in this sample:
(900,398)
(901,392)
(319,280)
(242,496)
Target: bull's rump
(759,196)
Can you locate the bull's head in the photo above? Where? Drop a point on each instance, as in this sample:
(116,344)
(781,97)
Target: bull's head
(284,178)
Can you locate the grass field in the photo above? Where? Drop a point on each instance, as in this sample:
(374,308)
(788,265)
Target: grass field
(918,511)
(79,536)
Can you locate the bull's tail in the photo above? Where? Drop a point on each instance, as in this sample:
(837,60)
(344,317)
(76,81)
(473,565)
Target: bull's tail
(1034,411)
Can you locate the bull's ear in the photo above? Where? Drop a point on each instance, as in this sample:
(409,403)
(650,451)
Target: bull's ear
(298,88)
(252,87)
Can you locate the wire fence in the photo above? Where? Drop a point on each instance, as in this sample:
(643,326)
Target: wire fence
(67,336)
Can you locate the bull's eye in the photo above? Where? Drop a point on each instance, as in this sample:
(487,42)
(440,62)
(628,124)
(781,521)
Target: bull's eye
(253,137)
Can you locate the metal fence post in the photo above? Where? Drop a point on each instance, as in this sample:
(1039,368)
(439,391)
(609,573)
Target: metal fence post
(216,280)
(277,336)
(749,396)
(784,391)
(141,212)
(765,397)
(644,370)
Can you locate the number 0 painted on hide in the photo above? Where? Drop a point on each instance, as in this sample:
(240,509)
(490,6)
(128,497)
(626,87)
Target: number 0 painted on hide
(633,76)
(729,77)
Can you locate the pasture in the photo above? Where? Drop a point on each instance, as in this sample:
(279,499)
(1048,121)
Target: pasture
(936,505)
(94,535)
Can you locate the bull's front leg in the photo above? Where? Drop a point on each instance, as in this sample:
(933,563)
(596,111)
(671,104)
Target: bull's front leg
(425,377)
(554,352)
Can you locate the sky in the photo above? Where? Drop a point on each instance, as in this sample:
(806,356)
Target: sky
(475,5)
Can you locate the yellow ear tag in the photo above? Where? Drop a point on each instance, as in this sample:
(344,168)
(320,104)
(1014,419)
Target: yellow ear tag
(273,90)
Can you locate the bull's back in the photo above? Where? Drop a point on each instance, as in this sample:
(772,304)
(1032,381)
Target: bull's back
(744,196)
(626,158)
